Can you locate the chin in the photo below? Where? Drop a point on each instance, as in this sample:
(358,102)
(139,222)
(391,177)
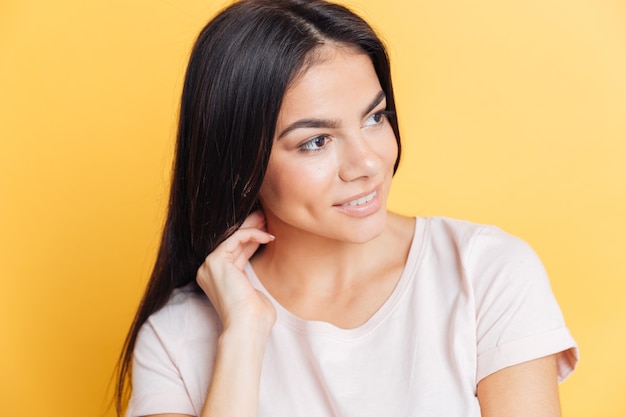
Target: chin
(363,230)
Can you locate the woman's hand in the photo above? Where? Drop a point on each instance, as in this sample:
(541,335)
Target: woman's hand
(224,281)
(247,317)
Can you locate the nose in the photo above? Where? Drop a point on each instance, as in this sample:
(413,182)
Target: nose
(358,159)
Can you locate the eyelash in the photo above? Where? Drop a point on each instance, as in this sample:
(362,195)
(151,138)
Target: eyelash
(305,147)
(385,114)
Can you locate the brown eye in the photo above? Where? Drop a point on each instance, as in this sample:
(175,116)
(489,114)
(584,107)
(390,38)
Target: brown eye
(375,119)
(316,143)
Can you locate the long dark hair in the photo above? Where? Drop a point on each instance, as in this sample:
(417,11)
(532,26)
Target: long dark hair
(239,70)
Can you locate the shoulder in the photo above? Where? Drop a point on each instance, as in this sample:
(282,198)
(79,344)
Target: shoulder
(184,304)
(517,317)
(188,314)
(463,231)
(476,245)
(489,262)
(174,349)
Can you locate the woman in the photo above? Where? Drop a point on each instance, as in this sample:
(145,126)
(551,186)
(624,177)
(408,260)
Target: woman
(284,287)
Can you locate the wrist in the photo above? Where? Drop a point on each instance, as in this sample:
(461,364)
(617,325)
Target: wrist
(246,331)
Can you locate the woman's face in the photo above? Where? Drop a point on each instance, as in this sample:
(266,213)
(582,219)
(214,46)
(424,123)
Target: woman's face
(334,151)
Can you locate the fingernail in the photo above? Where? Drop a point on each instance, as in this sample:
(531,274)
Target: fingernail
(272,237)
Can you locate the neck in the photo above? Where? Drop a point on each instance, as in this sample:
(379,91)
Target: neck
(309,262)
(337,281)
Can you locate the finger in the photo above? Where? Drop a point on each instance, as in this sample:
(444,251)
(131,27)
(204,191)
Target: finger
(247,250)
(256,223)
(255,219)
(242,254)
(233,246)
(246,253)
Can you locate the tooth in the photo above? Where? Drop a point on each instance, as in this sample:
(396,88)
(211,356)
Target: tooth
(361,200)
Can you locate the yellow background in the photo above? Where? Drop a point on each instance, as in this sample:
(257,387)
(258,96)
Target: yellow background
(512,113)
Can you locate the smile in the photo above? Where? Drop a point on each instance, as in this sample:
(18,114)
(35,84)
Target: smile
(361,201)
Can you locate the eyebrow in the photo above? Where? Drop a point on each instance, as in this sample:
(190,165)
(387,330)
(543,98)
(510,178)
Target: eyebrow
(329,123)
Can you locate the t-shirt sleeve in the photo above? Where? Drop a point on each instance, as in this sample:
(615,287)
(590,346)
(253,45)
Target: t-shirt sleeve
(157,386)
(517,316)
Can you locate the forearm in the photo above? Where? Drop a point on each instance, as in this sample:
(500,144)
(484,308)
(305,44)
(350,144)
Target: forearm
(234,388)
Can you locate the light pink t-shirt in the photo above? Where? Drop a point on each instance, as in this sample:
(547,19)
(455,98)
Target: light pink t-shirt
(471,301)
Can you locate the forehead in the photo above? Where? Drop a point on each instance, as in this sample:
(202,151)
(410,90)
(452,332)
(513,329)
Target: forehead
(335,76)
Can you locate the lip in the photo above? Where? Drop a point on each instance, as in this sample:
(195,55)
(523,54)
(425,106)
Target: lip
(370,203)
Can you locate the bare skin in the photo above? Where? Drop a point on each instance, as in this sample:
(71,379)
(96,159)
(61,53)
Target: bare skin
(524,390)
(247,317)
(333,252)
(348,287)
(527,389)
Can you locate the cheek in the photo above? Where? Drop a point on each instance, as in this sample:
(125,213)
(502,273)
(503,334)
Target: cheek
(388,150)
(271,188)
(295,180)
(280,182)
